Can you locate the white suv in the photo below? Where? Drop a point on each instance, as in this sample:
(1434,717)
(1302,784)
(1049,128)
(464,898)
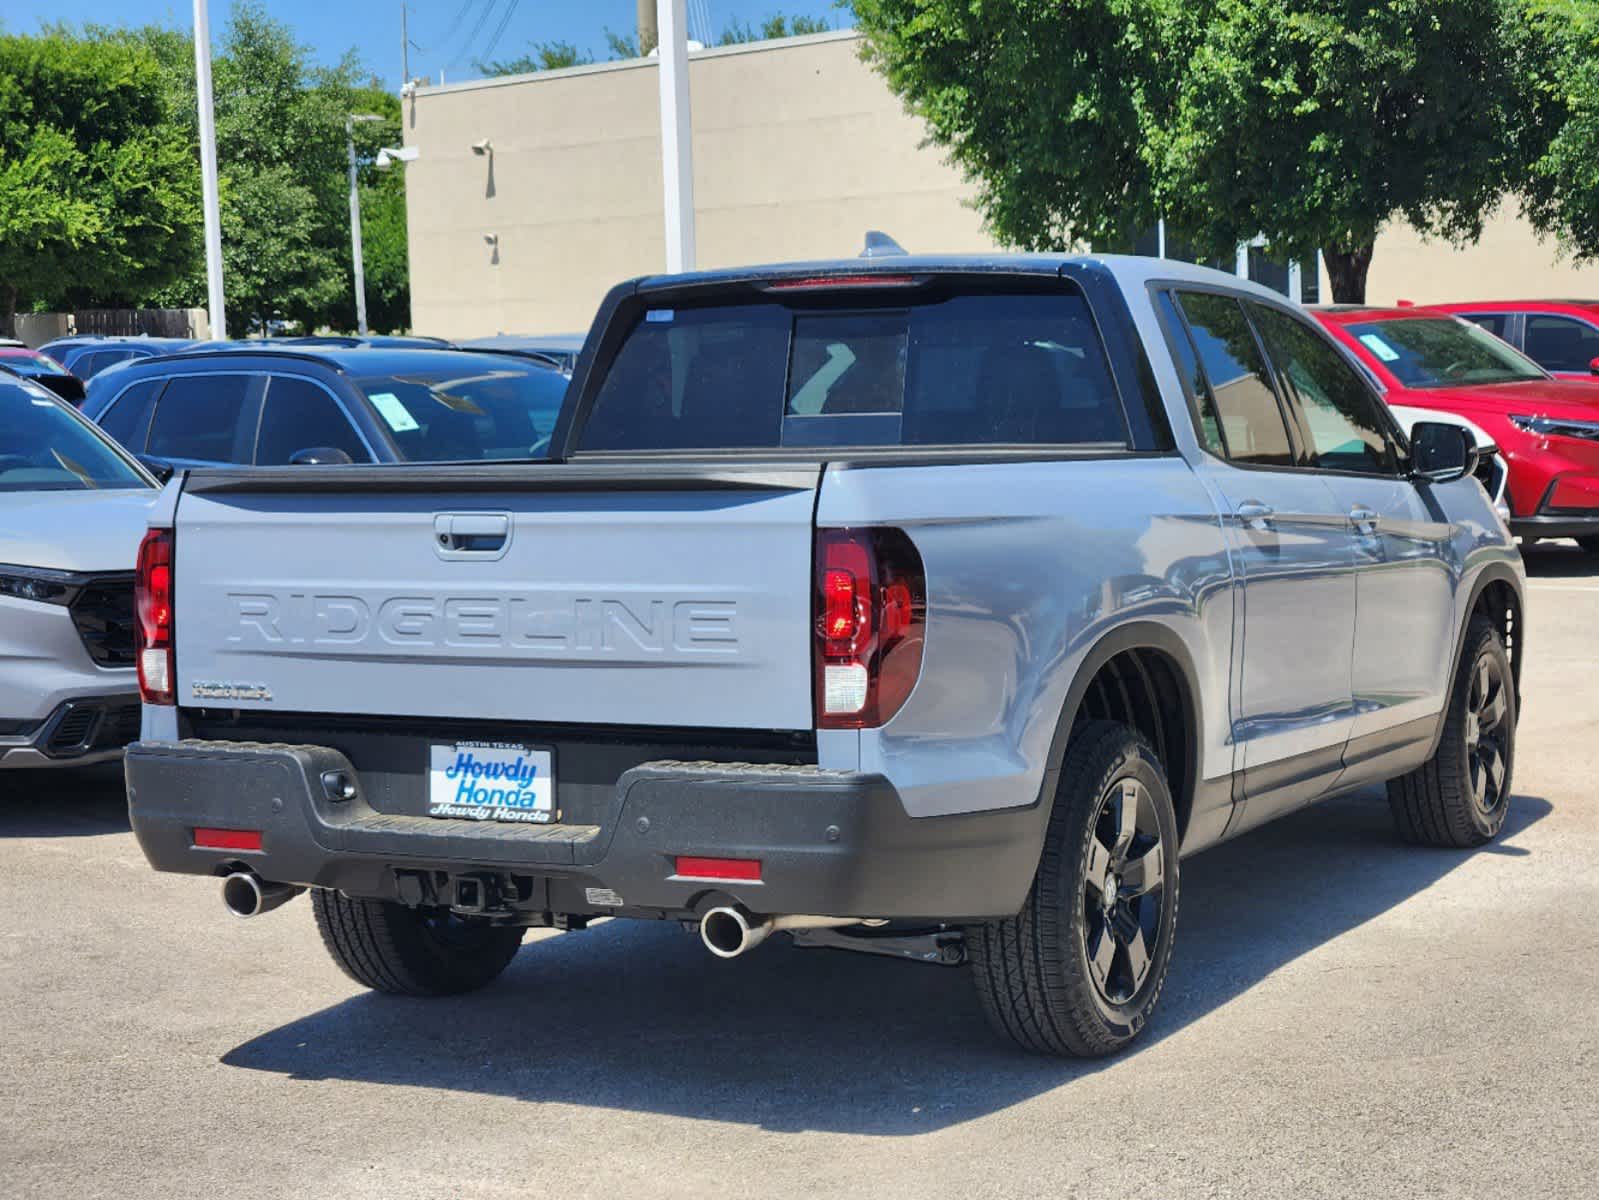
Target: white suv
(73,506)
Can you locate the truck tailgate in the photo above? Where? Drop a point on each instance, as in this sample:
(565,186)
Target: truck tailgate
(614,594)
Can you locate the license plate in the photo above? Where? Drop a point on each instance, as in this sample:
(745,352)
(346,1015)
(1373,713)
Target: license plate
(491,781)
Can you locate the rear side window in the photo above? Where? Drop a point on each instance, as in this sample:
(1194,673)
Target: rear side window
(1208,423)
(89,365)
(977,369)
(1497,324)
(1561,343)
(198,418)
(1252,426)
(300,415)
(128,418)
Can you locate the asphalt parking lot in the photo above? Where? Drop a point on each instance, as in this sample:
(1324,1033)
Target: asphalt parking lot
(1346,1016)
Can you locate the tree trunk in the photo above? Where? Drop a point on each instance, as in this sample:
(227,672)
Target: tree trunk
(8,310)
(1347,269)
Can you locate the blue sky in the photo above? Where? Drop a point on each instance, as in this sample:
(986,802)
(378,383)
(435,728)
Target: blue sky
(451,32)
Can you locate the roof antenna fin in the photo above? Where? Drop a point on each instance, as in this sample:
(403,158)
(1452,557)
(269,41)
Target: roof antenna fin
(880,245)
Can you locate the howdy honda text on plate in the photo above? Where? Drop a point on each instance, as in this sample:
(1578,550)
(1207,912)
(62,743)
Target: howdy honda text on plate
(490,781)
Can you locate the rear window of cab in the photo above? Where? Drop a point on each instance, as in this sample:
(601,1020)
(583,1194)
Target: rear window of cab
(991,368)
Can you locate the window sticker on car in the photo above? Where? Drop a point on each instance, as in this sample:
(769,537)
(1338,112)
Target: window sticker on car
(1380,348)
(392,411)
(660,316)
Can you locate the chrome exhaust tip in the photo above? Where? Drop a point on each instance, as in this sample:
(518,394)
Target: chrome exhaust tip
(244,894)
(727,932)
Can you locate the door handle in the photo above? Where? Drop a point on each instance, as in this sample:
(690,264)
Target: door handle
(1252,514)
(1364,519)
(471,535)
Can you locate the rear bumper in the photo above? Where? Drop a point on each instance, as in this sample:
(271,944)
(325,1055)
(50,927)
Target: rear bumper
(830,843)
(76,733)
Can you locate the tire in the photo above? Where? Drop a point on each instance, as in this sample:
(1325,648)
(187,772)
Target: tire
(1590,544)
(1036,972)
(411,951)
(1459,797)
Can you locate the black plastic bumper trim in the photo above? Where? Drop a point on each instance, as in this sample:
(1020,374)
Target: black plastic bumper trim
(831,843)
(1556,525)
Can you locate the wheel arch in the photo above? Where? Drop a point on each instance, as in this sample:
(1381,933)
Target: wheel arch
(1496,593)
(1142,674)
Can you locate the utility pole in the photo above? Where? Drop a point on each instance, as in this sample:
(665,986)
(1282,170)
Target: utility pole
(677,136)
(208,171)
(405,44)
(649,33)
(355,221)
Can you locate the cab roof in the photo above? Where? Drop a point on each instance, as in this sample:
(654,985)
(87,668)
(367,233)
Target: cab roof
(359,361)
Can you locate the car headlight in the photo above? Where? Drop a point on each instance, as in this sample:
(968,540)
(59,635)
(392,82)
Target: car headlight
(30,583)
(1588,431)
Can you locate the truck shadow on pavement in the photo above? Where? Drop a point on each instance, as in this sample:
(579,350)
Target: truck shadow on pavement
(70,802)
(637,1016)
(1559,560)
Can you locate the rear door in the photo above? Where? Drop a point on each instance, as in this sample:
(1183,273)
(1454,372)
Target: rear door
(1561,345)
(1292,700)
(615,595)
(206,419)
(1405,580)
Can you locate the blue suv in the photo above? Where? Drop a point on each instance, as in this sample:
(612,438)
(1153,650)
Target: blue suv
(274,407)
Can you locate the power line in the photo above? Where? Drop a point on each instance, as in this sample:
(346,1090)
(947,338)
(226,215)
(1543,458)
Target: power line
(455,26)
(465,46)
(510,11)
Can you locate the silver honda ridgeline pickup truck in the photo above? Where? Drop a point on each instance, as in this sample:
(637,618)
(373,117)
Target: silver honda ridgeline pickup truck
(926,606)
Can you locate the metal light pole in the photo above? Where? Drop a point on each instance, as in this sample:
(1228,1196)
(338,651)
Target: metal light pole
(677,136)
(208,171)
(355,221)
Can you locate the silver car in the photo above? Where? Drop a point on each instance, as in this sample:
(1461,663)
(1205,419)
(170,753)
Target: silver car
(72,509)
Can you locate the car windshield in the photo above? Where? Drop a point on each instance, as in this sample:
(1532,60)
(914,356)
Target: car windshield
(25,362)
(44,447)
(475,413)
(1423,352)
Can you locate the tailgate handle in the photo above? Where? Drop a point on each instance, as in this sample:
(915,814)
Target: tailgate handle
(471,535)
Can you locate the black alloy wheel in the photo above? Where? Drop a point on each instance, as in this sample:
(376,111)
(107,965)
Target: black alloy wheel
(1123,890)
(1487,733)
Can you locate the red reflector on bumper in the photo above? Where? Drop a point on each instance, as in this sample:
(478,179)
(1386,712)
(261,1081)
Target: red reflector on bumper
(747,869)
(227,839)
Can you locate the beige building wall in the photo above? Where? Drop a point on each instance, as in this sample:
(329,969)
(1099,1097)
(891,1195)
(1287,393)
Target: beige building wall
(799,148)
(1509,262)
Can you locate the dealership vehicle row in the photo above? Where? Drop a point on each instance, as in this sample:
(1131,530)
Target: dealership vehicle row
(929,607)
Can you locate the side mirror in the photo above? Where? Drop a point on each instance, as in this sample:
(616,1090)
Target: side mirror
(319,456)
(1593,366)
(1440,453)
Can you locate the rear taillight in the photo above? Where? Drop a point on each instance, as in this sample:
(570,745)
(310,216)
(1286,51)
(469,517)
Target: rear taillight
(152,610)
(871,607)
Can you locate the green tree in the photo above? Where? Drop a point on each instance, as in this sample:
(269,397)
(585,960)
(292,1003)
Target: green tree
(543,56)
(773,28)
(1044,107)
(1312,122)
(282,175)
(98,191)
(1317,122)
(623,46)
(1556,44)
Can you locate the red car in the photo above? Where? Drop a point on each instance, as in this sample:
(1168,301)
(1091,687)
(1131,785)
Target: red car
(42,369)
(1546,428)
(1561,336)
